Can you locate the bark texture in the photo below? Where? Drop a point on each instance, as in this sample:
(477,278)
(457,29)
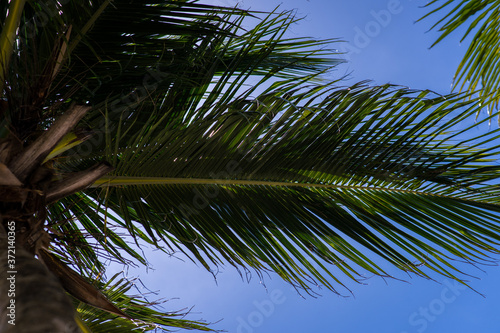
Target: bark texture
(41,304)
(35,153)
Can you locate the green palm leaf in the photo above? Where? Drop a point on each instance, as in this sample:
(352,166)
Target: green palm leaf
(146,317)
(479,68)
(304,181)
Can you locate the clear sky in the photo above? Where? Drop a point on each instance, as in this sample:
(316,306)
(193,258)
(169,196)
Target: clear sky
(387,46)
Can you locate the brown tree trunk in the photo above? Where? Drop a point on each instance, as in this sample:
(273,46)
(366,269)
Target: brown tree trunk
(30,296)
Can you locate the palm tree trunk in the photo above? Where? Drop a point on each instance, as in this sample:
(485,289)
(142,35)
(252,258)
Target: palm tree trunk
(30,296)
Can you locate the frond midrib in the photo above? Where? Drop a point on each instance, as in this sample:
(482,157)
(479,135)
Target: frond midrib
(137,181)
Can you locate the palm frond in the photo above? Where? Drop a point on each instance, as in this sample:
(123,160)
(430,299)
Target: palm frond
(8,35)
(303,181)
(147,315)
(85,234)
(480,67)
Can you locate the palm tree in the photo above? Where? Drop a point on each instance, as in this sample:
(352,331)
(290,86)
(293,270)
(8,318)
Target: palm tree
(479,69)
(182,126)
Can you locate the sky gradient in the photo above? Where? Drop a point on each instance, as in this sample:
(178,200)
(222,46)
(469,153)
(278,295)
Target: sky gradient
(385,45)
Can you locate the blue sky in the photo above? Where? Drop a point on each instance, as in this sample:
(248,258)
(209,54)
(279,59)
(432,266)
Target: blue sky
(386,46)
